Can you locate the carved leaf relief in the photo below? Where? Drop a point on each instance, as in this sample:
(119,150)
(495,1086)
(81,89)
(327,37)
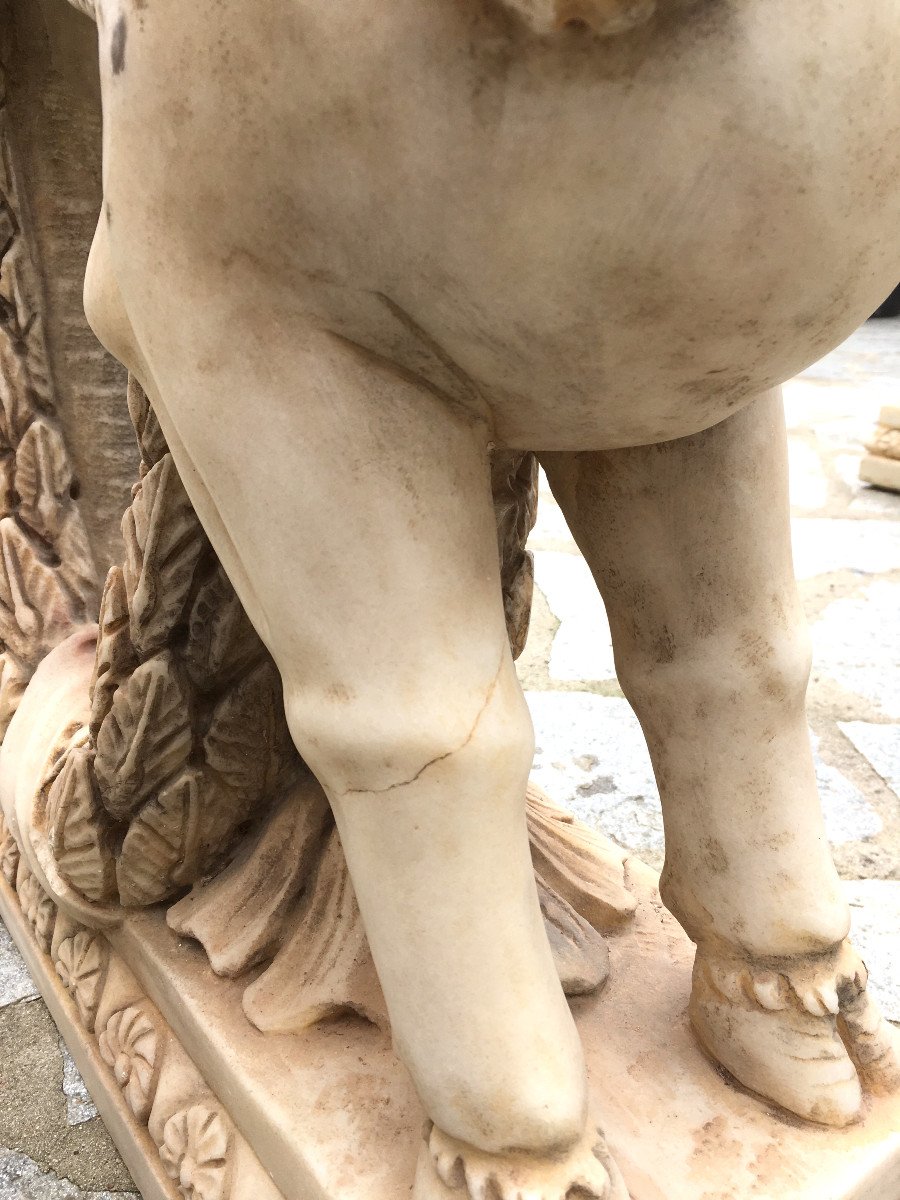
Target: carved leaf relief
(146,737)
(130,1046)
(115,654)
(586,869)
(163,543)
(76,565)
(325,966)
(194,1153)
(579,953)
(43,477)
(15,409)
(81,963)
(240,738)
(34,609)
(162,837)
(151,442)
(9,855)
(7,483)
(221,639)
(514,486)
(78,829)
(240,915)
(13,682)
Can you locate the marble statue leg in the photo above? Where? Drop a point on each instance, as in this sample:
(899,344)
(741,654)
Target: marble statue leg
(362,540)
(689,542)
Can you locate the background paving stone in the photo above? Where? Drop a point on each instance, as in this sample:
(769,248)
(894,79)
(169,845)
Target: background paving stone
(22,1179)
(15,982)
(875,908)
(881,746)
(822,546)
(34,1110)
(857,642)
(582,647)
(591,758)
(79,1105)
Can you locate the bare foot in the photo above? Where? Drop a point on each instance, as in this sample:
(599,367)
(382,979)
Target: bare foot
(803,1032)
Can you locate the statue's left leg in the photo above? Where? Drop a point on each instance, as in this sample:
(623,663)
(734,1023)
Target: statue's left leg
(689,542)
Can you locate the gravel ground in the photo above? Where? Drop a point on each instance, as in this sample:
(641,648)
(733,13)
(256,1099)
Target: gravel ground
(591,756)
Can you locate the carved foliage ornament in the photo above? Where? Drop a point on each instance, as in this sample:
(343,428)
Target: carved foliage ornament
(47,575)
(195,1141)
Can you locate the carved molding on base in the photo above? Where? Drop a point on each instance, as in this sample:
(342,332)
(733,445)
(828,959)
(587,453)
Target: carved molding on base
(332,1114)
(150,1093)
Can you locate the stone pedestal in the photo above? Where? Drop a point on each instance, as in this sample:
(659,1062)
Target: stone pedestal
(331,1115)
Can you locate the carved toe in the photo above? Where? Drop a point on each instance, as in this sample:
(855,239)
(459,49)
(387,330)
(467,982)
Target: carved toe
(806,1035)
(452,1170)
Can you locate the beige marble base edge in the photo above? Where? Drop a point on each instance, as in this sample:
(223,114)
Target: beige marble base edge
(169,1127)
(332,1115)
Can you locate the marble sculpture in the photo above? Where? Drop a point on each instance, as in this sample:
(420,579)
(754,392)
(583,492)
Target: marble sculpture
(367,265)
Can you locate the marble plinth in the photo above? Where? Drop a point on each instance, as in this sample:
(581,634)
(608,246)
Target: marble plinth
(331,1114)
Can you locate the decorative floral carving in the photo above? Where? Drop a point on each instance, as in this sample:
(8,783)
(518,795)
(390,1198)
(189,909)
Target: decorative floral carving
(39,909)
(195,1153)
(130,1045)
(81,963)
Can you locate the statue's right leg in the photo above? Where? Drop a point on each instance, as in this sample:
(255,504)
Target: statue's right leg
(352,510)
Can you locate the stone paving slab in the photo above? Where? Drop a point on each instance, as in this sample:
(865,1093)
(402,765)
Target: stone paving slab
(22,1179)
(875,909)
(53,1145)
(15,982)
(881,746)
(856,641)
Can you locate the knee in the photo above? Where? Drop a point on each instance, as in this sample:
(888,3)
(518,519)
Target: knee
(383,739)
(765,667)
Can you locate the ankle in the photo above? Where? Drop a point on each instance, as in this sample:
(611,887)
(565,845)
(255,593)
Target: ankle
(778,923)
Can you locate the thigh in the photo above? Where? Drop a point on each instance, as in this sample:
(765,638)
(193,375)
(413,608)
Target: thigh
(352,510)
